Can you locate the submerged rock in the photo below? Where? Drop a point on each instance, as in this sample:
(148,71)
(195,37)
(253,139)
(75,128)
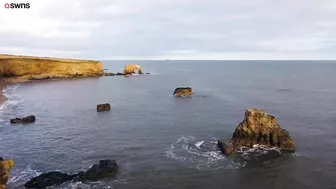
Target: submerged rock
(28,119)
(183,91)
(259,128)
(5,167)
(105,168)
(103,107)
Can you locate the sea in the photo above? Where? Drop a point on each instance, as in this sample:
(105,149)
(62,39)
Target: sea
(163,142)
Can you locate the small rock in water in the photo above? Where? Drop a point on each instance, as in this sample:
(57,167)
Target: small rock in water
(28,119)
(108,74)
(225,147)
(183,91)
(103,107)
(105,168)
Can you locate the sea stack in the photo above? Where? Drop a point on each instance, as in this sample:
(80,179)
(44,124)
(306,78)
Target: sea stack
(258,127)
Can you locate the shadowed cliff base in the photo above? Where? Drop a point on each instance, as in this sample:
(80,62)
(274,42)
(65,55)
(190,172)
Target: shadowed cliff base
(16,69)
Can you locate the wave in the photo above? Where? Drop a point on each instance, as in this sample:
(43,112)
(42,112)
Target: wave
(200,154)
(12,99)
(259,154)
(203,154)
(94,184)
(285,90)
(22,176)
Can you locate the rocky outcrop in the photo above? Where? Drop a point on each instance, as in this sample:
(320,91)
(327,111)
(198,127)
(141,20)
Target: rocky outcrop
(258,127)
(105,168)
(103,107)
(183,91)
(48,179)
(5,167)
(40,68)
(28,119)
(131,68)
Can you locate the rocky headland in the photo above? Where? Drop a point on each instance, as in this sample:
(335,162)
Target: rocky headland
(16,69)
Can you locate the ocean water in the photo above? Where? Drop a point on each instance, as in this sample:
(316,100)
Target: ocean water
(160,141)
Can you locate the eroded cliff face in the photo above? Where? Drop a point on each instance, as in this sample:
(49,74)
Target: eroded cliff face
(31,68)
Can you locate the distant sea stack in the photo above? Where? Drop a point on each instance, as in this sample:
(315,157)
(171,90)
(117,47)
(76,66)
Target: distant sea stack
(23,68)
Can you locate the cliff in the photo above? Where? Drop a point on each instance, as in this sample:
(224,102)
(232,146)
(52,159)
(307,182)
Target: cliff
(15,69)
(32,68)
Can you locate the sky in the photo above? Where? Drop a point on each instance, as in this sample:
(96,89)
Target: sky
(171,29)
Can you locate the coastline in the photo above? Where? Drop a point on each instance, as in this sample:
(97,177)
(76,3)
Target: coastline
(19,69)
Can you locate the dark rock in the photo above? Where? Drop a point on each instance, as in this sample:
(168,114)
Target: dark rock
(108,74)
(105,168)
(48,179)
(258,127)
(183,91)
(147,73)
(28,119)
(103,107)
(119,73)
(225,147)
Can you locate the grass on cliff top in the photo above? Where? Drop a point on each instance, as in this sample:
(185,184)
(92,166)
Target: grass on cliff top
(8,56)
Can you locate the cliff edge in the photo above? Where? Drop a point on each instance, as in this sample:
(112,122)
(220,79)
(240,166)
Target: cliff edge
(14,69)
(22,68)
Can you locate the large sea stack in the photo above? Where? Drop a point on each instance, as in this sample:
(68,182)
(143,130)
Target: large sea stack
(258,127)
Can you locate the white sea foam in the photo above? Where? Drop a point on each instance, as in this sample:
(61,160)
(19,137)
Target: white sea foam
(12,99)
(199,154)
(198,144)
(23,175)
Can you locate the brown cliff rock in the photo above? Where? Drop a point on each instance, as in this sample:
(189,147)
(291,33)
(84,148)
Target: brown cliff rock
(5,167)
(131,68)
(25,68)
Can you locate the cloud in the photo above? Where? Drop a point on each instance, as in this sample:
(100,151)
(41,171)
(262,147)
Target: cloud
(177,29)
